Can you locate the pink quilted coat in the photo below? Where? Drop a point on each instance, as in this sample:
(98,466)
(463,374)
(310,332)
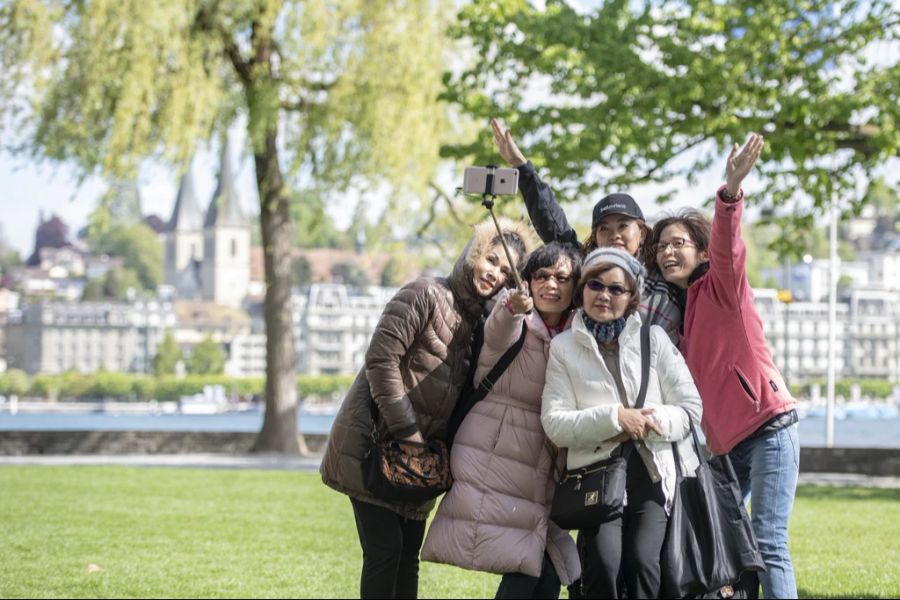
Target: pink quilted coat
(495,517)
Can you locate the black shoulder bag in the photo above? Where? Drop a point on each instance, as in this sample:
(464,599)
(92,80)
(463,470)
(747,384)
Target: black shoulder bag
(591,495)
(709,541)
(472,395)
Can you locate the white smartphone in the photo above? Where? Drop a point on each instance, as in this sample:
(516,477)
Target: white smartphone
(505,182)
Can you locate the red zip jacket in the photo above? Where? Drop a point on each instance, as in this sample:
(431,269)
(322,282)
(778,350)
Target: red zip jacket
(724,345)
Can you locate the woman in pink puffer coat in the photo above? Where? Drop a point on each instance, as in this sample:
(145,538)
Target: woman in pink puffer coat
(495,517)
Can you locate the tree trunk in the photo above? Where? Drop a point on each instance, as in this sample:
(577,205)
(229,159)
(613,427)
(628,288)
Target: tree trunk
(279,431)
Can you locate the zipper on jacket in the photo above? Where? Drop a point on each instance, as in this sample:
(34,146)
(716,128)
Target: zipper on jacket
(747,389)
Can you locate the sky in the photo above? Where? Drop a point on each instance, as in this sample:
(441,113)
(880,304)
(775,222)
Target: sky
(28,188)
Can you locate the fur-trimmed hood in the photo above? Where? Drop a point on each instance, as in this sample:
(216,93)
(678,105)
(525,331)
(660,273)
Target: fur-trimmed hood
(484,236)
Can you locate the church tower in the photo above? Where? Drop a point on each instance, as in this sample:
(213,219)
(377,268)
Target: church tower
(225,274)
(184,241)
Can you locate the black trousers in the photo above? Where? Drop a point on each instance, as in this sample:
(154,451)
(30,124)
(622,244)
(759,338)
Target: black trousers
(622,555)
(390,545)
(526,587)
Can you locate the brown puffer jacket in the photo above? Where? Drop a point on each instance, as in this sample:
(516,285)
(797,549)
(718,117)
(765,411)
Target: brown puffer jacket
(414,369)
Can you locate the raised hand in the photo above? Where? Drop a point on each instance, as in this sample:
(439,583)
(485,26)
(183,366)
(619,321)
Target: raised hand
(506,145)
(739,164)
(520,302)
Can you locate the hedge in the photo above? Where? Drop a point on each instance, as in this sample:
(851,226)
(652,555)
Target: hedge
(874,388)
(129,386)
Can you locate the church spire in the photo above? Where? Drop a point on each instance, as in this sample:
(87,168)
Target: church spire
(225,209)
(186,216)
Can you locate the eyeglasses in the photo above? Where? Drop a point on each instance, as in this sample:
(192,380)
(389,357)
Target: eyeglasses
(676,243)
(598,286)
(545,276)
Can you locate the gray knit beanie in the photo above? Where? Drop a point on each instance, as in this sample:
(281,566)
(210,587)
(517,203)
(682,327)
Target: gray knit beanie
(619,258)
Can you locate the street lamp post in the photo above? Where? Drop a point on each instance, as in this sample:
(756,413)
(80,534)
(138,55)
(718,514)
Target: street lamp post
(832,324)
(785,296)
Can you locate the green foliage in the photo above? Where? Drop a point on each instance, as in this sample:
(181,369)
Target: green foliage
(301,272)
(14,382)
(394,273)
(875,388)
(132,386)
(334,93)
(117,283)
(93,290)
(650,91)
(207,358)
(168,355)
(111,385)
(136,243)
(45,386)
(349,274)
(321,385)
(314,228)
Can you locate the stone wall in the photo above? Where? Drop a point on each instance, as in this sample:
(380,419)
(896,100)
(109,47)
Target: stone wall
(883,462)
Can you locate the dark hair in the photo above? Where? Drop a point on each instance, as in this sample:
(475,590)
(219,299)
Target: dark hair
(697,225)
(634,299)
(590,242)
(548,255)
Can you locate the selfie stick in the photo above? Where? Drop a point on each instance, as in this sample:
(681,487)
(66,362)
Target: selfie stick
(489,204)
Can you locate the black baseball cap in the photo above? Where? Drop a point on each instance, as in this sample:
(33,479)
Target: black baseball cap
(616,204)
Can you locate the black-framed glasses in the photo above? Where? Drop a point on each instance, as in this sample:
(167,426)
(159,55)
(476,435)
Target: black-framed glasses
(545,276)
(676,243)
(615,289)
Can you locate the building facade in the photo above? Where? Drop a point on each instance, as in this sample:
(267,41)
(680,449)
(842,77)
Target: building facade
(867,335)
(333,324)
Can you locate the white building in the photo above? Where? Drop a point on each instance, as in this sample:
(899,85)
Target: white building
(333,325)
(54,337)
(867,335)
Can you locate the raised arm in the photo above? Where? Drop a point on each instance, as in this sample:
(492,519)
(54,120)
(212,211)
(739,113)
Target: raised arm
(546,214)
(502,329)
(727,251)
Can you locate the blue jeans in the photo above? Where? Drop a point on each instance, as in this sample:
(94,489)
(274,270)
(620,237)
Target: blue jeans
(767,469)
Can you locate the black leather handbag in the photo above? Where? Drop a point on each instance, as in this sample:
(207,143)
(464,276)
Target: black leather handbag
(594,494)
(710,549)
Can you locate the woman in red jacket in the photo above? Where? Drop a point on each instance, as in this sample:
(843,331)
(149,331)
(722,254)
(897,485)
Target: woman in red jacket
(748,412)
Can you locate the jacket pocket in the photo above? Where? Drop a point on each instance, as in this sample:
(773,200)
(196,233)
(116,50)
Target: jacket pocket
(747,389)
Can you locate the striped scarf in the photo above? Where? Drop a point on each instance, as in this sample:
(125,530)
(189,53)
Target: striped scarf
(606,331)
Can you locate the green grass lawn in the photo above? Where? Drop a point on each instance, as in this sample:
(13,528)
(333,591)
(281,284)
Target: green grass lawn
(153,532)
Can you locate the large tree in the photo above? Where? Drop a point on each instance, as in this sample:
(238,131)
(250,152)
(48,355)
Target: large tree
(330,90)
(646,92)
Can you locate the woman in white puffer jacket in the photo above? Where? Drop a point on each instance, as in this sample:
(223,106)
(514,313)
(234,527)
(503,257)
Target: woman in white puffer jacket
(592,384)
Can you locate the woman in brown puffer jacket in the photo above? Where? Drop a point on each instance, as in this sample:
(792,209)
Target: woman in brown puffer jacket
(414,369)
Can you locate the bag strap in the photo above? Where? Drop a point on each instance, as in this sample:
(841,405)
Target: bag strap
(627,447)
(476,395)
(679,472)
(645,365)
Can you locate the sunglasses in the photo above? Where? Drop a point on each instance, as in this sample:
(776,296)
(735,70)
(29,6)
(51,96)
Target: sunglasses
(598,286)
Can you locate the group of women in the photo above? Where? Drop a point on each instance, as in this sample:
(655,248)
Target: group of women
(568,398)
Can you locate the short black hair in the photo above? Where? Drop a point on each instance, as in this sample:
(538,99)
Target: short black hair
(547,256)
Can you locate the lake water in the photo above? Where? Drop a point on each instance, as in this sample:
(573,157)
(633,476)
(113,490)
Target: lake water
(848,433)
